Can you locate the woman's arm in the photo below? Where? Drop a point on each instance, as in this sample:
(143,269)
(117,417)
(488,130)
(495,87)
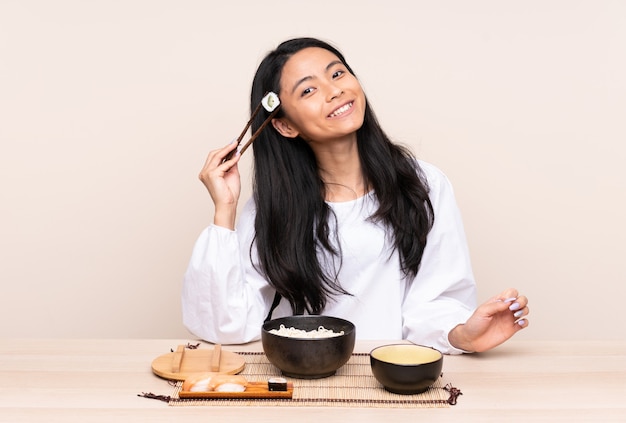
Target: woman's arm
(495,321)
(441,306)
(443,294)
(221,178)
(224,299)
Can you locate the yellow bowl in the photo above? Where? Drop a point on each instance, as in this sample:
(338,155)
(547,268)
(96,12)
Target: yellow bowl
(406,368)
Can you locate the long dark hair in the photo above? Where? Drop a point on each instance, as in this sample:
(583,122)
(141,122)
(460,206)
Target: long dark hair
(292,217)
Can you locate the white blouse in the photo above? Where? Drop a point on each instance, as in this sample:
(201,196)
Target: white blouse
(225,300)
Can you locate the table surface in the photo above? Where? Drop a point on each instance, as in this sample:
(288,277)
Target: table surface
(97,380)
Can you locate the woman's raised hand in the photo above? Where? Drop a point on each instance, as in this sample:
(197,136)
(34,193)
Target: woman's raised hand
(492,323)
(222,180)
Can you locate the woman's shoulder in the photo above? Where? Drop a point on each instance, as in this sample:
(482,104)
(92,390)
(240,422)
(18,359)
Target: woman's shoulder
(434,176)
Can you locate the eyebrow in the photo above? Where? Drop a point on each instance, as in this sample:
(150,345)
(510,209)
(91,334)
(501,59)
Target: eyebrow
(306,78)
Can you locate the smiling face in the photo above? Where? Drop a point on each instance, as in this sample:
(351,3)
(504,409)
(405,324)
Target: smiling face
(320,98)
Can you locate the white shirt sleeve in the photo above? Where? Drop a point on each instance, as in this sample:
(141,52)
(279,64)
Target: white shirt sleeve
(223,297)
(443,294)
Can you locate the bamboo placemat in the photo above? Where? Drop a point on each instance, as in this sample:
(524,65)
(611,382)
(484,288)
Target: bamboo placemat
(352,386)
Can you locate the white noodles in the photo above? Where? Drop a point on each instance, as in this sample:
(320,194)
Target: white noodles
(320,332)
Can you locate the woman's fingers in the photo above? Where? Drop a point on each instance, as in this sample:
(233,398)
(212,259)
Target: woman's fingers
(229,152)
(519,307)
(216,157)
(215,162)
(509,301)
(221,178)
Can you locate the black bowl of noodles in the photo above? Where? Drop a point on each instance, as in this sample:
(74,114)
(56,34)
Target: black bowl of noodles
(309,346)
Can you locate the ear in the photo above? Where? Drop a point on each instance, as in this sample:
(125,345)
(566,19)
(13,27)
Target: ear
(285,128)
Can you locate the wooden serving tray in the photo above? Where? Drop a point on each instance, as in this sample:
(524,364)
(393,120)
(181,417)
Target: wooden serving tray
(183,362)
(253,390)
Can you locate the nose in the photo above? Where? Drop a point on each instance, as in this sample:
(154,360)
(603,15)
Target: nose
(333,92)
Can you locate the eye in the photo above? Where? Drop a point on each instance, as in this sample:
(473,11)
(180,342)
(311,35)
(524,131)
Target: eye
(338,73)
(307,91)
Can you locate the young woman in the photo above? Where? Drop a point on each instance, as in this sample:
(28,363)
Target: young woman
(342,222)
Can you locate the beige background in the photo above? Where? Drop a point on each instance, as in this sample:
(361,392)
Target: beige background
(108,109)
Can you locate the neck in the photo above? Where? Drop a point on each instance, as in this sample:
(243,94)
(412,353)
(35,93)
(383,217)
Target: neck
(339,193)
(340,169)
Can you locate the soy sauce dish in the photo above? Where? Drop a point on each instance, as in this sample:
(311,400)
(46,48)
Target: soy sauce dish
(406,368)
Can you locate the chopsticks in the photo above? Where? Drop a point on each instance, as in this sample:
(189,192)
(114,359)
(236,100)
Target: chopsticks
(269,102)
(216,357)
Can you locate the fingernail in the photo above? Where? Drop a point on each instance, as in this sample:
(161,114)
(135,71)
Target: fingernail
(514,306)
(521,322)
(232,141)
(518,314)
(508,300)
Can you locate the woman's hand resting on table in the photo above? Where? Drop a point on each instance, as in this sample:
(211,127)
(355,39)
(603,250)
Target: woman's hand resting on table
(224,184)
(493,322)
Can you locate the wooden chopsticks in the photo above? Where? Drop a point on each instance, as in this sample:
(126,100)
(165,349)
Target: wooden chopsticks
(269,102)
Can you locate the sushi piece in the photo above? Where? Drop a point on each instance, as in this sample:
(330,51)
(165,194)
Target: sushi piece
(218,382)
(270,102)
(277,384)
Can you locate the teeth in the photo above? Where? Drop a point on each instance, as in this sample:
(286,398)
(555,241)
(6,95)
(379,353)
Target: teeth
(341,110)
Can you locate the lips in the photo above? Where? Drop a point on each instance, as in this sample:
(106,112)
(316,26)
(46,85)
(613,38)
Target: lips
(341,110)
